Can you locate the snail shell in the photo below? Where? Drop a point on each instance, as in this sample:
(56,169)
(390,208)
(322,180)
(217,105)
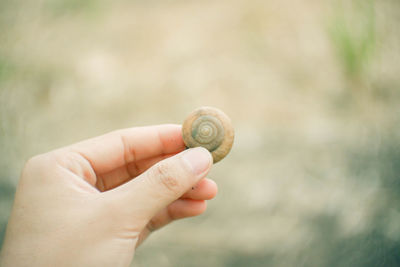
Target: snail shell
(209,128)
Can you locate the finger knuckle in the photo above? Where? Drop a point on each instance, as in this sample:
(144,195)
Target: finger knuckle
(35,169)
(34,162)
(167,178)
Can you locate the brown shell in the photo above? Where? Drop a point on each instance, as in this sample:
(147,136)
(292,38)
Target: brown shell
(210,128)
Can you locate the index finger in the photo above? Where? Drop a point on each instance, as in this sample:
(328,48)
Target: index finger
(116,149)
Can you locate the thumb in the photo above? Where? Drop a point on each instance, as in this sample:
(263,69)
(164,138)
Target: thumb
(163,183)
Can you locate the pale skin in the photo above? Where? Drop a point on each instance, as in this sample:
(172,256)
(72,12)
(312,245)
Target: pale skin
(93,203)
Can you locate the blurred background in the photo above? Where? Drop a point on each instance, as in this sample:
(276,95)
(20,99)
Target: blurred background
(312,87)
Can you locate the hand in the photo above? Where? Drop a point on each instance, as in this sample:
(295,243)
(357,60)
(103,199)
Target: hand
(80,206)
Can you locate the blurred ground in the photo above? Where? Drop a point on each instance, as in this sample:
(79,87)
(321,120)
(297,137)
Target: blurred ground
(311,86)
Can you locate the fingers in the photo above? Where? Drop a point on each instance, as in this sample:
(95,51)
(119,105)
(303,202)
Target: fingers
(163,183)
(125,173)
(206,189)
(179,209)
(119,148)
(192,203)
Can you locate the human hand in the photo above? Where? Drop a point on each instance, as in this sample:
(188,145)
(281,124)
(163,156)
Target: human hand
(80,206)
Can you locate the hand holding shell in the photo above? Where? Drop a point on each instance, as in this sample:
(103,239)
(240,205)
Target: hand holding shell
(210,128)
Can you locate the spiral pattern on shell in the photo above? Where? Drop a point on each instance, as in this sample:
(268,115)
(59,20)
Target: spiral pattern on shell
(209,128)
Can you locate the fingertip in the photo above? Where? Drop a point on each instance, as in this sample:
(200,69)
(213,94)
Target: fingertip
(173,141)
(212,188)
(201,207)
(195,207)
(199,159)
(206,189)
(183,208)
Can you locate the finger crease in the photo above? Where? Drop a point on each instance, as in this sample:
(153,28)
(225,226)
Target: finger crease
(100,184)
(169,214)
(150,226)
(162,142)
(92,177)
(84,157)
(129,157)
(134,170)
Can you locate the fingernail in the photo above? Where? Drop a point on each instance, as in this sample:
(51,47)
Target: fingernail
(199,159)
